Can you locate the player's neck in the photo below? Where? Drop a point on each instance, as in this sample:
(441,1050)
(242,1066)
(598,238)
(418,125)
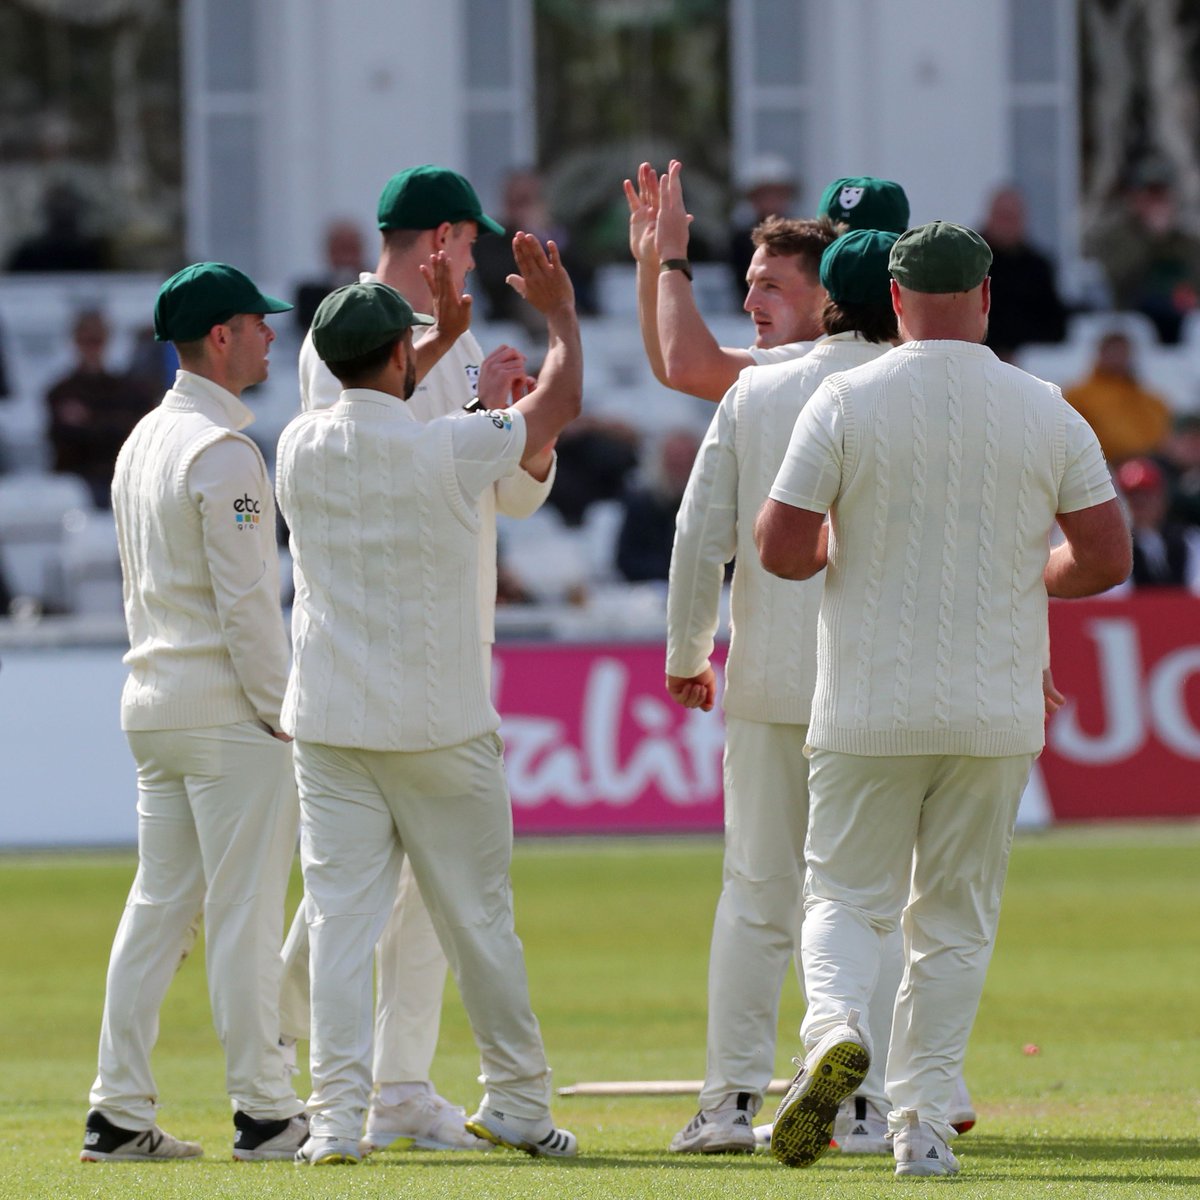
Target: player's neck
(403,272)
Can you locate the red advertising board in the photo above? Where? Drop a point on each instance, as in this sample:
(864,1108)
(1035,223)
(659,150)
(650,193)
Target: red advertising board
(594,744)
(1127,742)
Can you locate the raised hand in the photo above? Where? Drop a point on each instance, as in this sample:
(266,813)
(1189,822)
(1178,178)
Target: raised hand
(671,227)
(451,309)
(643,215)
(543,280)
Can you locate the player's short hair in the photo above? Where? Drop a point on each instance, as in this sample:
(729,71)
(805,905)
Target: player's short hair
(804,238)
(400,241)
(360,371)
(876,322)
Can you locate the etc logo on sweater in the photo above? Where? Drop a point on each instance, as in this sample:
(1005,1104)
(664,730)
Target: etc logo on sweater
(246,513)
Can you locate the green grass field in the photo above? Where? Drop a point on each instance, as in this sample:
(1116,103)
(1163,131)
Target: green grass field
(1098,964)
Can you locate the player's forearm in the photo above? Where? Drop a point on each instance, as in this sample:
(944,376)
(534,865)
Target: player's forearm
(1068,578)
(647,305)
(693,361)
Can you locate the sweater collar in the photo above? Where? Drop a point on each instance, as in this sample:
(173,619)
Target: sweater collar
(947,346)
(361,399)
(195,393)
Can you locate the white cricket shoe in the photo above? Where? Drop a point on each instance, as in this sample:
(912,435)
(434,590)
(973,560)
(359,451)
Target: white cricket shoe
(534,1137)
(962,1112)
(425,1121)
(860,1128)
(831,1071)
(919,1151)
(328,1151)
(105,1142)
(725,1129)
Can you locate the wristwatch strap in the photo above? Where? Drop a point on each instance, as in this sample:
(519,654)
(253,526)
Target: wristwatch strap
(676,264)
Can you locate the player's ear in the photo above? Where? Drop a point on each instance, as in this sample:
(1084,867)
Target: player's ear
(987,295)
(441,235)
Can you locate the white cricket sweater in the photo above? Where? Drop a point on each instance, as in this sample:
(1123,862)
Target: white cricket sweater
(196,532)
(943,469)
(384,520)
(445,389)
(771,669)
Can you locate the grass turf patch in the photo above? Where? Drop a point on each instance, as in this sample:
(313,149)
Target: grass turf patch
(1095,965)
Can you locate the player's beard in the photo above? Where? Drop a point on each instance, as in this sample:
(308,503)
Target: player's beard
(410,379)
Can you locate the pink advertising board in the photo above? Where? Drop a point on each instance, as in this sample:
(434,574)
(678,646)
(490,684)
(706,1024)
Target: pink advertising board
(593,743)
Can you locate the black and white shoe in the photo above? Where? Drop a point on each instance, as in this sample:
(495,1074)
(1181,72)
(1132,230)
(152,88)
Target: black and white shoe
(105,1142)
(268,1141)
(518,1133)
(725,1129)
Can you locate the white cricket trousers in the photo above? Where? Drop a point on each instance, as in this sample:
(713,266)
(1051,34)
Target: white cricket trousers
(362,811)
(756,931)
(217,822)
(921,841)
(410,974)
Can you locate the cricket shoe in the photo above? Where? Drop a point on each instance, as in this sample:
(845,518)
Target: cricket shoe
(831,1071)
(919,1151)
(962,1112)
(425,1121)
(268,1141)
(860,1128)
(725,1129)
(327,1152)
(105,1142)
(518,1133)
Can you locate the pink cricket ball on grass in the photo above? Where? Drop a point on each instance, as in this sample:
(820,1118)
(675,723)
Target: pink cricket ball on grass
(1031,1048)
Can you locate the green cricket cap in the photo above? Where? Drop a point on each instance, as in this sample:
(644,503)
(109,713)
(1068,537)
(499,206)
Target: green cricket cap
(940,257)
(424,197)
(854,269)
(359,318)
(205,294)
(864,202)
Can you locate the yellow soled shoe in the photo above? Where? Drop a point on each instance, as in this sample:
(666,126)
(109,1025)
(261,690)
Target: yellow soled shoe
(831,1071)
(539,1138)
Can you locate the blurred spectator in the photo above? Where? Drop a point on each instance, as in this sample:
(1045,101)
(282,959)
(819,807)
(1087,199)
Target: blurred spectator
(769,189)
(648,529)
(345,258)
(1165,554)
(62,244)
(525,209)
(1025,302)
(1128,419)
(1151,261)
(594,459)
(5,391)
(152,363)
(1181,458)
(92,411)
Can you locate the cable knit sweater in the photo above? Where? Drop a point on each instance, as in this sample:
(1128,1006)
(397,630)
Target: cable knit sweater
(771,669)
(942,468)
(196,532)
(384,522)
(445,389)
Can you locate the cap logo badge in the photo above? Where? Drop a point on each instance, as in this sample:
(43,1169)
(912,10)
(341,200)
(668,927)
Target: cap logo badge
(850,196)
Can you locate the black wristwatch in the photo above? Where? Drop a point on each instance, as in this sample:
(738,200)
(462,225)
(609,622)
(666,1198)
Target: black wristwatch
(676,264)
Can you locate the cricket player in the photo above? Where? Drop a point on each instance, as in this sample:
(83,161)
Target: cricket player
(397,751)
(784,295)
(208,662)
(425,211)
(770,675)
(942,471)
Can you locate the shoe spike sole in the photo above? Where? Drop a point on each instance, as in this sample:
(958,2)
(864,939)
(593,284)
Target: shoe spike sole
(803,1131)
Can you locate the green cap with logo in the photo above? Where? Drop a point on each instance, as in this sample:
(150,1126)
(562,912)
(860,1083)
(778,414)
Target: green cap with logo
(359,318)
(864,202)
(939,258)
(424,197)
(854,269)
(205,294)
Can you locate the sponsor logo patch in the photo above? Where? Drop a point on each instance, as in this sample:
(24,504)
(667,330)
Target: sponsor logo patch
(501,418)
(246,513)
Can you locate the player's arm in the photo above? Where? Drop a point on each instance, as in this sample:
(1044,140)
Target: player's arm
(558,397)
(792,542)
(451,311)
(705,541)
(643,214)
(228,484)
(1095,555)
(693,361)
